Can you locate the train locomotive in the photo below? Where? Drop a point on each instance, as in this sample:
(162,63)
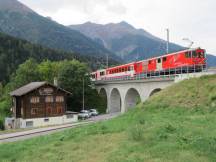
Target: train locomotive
(186,61)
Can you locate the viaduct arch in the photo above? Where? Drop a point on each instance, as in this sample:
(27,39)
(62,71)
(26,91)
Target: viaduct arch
(155,91)
(132,98)
(115,101)
(124,95)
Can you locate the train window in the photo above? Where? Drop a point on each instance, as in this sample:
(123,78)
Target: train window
(187,54)
(102,73)
(200,54)
(159,60)
(164,59)
(150,62)
(194,54)
(93,76)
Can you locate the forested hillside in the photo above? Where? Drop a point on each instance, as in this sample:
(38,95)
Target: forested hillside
(15,51)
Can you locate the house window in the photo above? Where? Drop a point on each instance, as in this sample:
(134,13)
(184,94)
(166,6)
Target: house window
(46,120)
(59,99)
(49,99)
(59,110)
(34,111)
(29,124)
(22,111)
(49,110)
(35,100)
(69,116)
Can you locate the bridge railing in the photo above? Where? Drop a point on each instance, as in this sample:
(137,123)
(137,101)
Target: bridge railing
(170,73)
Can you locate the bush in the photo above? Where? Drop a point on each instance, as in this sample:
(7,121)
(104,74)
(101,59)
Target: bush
(142,121)
(136,133)
(169,128)
(1,124)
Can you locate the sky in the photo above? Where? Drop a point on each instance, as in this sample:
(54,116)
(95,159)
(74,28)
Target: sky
(192,19)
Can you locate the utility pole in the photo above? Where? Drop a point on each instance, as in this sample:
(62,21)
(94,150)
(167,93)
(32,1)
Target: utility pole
(83,94)
(107,61)
(167,49)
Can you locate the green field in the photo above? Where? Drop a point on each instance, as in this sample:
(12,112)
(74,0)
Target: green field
(177,124)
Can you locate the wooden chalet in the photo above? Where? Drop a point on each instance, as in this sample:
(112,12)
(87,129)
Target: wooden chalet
(40,104)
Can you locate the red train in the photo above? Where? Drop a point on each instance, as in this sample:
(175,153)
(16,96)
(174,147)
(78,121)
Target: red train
(183,61)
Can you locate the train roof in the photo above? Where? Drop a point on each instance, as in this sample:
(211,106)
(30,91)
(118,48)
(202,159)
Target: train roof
(192,49)
(120,65)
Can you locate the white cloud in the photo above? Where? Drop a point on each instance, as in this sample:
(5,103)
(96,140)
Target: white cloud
(194,19)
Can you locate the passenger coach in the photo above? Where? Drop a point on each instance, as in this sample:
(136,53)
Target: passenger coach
(179,62)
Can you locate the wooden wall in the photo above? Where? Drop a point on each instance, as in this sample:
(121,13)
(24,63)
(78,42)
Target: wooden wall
(43,108)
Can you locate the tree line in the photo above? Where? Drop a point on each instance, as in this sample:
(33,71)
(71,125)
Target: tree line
(69,74)
(14,51)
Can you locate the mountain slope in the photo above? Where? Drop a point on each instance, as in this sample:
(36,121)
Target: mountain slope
(125,40)
(211,60)
(15,51)
(18,20)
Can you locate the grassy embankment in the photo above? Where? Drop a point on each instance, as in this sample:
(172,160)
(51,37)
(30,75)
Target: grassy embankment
(177,124)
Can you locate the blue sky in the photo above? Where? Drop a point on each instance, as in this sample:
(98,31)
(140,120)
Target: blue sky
(193,19)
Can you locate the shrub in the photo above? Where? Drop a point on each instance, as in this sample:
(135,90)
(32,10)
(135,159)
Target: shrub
(213,97)
(1,124)
(136,133)
(104,129)
(170,129)
(142,121)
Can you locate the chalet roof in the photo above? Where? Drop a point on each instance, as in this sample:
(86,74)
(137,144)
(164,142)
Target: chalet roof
(32,86)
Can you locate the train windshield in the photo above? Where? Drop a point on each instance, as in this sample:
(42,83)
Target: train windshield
(200,54)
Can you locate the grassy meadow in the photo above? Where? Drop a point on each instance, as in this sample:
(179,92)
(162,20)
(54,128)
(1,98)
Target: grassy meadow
(177,124)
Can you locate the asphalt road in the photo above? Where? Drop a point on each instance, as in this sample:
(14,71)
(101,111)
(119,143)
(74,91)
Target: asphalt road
(18,136)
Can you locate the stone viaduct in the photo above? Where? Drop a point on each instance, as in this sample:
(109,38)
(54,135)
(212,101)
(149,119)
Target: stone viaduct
(125,94)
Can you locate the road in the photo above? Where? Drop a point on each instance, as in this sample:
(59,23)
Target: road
(17,136)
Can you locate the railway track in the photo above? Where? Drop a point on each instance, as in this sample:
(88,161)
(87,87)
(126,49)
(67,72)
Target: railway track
(17,136)
(32,133)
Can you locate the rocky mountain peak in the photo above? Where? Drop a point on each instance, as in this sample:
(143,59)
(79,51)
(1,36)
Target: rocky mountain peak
(13,6)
